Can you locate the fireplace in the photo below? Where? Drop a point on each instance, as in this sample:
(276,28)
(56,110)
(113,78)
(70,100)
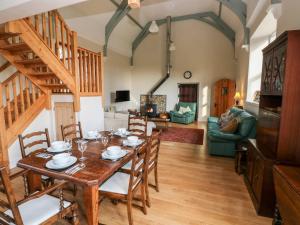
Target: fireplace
(151,109)
(152,105)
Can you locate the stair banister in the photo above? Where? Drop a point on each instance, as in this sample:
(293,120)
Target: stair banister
(3,135)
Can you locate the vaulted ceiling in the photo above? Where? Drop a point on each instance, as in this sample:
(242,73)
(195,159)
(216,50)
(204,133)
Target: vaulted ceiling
(90,18)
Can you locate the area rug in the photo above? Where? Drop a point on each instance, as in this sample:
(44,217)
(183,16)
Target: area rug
(183,135)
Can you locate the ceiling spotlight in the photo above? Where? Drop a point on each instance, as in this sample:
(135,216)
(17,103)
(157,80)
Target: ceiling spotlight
(153,27)
(134,4)
(172,46)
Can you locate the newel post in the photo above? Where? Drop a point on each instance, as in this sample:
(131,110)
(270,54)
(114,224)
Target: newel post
(75,71)
(3,137)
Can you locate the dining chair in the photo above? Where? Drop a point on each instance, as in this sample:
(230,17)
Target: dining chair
(71,131)
(153,153)
(137,125)
(122,186)
(38,140)
(153,162)
(39,208)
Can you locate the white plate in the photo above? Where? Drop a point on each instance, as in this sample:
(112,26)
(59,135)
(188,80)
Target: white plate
(130,144)
(50,149)
(51,165)
(114,157)
(119,134)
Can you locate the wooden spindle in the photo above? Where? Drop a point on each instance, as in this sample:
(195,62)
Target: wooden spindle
(21,94)
(37,23)
(85,71)
(44,29)
(50,26)
(27,91)
(89,72)
(69,49)
(80,71)
(3,135)
(15,97)
(8,105)
(33,93)
(56,36)
(62,42)
(92,81)
(97,74)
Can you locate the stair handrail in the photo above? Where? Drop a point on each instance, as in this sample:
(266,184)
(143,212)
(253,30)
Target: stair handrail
(56,35)
(10,78)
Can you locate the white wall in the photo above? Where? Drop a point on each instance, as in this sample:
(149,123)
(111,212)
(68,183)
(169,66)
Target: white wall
(200,48)
(290,18)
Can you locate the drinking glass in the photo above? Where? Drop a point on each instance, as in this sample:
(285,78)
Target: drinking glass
(105,140)
(69,144)
(98,135)
(82,145)
(111,131)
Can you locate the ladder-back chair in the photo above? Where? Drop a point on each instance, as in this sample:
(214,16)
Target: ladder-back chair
(38,208)
(137,125)
(72,131)
(123,185)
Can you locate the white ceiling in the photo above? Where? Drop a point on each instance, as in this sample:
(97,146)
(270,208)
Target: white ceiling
(89,19)
(16,9)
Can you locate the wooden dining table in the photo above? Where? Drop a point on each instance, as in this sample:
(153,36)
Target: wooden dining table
(97,170)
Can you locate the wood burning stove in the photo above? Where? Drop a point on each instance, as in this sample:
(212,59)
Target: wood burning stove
(151,109)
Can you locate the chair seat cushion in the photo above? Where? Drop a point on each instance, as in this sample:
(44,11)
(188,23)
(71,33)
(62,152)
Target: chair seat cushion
(117,183)
(37,211)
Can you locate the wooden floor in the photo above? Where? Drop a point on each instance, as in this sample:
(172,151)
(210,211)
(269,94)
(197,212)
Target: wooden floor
(195,189)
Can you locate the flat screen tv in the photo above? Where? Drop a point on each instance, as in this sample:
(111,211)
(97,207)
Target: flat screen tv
(122,96)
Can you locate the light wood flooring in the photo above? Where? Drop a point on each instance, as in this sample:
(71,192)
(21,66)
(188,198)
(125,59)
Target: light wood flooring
(195,189)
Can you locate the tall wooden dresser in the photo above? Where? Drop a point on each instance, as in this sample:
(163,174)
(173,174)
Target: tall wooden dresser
(278,127)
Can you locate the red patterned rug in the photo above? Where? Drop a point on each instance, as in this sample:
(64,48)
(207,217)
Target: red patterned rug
(183,135)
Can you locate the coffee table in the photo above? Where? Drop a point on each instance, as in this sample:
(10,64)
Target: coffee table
(165,121)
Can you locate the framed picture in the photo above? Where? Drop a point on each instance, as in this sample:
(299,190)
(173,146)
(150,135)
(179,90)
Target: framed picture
(256,96)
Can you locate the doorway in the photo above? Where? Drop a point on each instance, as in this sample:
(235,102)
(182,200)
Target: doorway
(189,93)
(64,115)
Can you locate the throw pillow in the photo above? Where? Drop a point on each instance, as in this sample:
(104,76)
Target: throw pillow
(183,110)
(231,126)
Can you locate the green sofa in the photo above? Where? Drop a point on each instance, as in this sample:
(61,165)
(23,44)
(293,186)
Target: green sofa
(186,118)
(224,144)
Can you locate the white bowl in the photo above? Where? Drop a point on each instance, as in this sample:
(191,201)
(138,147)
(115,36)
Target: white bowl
(57,145)
(113,150)
(92,134)
(132,139)
(61,159)
(122,130)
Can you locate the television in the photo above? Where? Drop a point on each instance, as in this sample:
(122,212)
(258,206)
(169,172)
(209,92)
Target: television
(122,96)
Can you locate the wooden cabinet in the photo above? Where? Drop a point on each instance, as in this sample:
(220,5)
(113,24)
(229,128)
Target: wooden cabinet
(278,133)
(259,180)
(224,91)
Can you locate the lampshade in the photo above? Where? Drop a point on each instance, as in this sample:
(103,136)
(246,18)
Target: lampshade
(172,46)
(134,4)
(153,27)
(237,96)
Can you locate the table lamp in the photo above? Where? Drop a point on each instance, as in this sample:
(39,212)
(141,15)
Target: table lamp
(237,98)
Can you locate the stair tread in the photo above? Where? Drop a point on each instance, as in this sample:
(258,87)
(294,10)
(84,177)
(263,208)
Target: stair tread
(4,36)
(42,74)
(30,61)
(15,47)
(54,85)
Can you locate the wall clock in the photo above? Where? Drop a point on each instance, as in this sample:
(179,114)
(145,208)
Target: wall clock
(187,74)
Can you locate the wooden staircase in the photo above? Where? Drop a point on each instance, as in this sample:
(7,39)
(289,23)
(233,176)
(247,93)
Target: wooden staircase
(44,51)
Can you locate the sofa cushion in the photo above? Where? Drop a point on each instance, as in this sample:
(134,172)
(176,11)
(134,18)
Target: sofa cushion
(213,126)
(230,127)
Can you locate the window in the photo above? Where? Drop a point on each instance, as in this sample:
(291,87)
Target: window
(264,35)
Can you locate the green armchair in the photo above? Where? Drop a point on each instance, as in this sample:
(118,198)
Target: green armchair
(185,118)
